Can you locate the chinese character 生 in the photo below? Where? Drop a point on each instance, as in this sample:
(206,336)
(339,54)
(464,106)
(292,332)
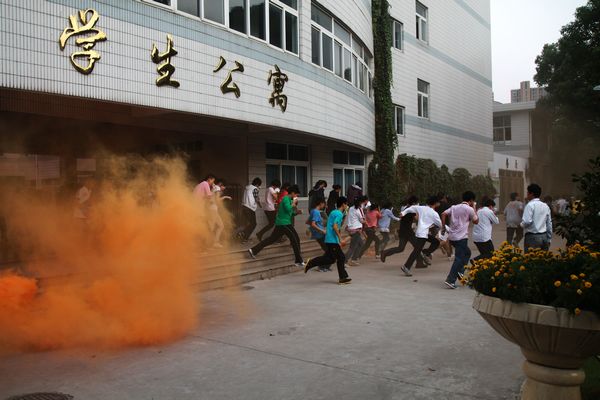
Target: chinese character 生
(88,19)
(228,85)
(166,69)
(278,80)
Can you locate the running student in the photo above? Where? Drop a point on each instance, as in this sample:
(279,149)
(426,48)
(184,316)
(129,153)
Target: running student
(332,199)
(284,226)
(513,213)
(482,232)
(405,232)
(427,217)
(356,221)
(387,215)
(372,217)
(333,241)
(271,197)
(458,234)
(317,231)
(250,204)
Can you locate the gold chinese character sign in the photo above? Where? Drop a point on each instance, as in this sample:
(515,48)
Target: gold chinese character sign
(166,69)
(278,79)
(228,86)
(88,19)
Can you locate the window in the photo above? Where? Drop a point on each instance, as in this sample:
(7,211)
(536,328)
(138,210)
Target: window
(398,35)
(291,32)
(237,15)
(275,26)
(399,120)
(316,45)
(348,158)
(257,19)
(335,48)
(187,6)
(423,98)
(288,163)
(290,3)
(165,2)
(502,129)
(214,10)
(422,29)
(346,177)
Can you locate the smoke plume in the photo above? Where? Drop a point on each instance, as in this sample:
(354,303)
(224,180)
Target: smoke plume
(124,276)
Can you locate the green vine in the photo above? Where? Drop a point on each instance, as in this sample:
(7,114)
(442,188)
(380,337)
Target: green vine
(383,183)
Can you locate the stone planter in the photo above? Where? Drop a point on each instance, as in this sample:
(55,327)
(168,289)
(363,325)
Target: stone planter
(555,343)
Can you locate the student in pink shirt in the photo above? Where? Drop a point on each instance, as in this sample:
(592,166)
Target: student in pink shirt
(371,219)
(203,190)
(461,215)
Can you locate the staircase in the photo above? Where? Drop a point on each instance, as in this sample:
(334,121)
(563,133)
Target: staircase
(235,267)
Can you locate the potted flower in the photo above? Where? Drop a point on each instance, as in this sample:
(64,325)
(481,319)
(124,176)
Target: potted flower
(548,304)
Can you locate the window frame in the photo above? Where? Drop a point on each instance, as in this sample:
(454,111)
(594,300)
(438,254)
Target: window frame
(351,48)
(421,102)
(420,21)
(395,22)
(285,8)
(403,111)
(504,127)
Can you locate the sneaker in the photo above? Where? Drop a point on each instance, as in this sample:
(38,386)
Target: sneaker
(382,258)
(426,258)
(353,263)
(306,266)
(326,269)
(377,257)
(450,285)
(300,265)
(218,246)
(344,281)
(451,258)
(251,254)
(405,270)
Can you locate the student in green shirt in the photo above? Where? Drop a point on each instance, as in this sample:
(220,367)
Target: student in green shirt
(284,225)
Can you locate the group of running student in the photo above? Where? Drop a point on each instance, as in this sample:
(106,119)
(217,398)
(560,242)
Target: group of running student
(438,223)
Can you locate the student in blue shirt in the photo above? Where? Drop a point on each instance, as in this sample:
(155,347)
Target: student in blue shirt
(317,231)
(334,243)
(387,215)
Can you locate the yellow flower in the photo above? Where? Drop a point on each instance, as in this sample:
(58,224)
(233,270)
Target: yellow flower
(493,290)
(557,283)
(587,285)
(577,311)
(579,292)
(574,277)
(522,268)
(582,275)
(497,273)
(505,275)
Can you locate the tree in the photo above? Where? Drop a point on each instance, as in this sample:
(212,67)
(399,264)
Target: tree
(570,68)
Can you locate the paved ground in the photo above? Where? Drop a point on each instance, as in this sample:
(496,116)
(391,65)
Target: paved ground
(302,337)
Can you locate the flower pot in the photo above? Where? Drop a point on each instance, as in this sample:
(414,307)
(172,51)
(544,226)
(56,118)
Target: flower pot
(555,343)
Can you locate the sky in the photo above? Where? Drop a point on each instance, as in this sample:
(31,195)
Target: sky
(520,28)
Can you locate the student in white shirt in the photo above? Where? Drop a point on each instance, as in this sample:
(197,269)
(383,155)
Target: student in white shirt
(482,232)
(427,217)
(537,220)
(356,220)
(513,212)
(270,207)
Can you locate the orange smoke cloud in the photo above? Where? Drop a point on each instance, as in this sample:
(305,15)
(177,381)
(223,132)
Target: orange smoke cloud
(122,277)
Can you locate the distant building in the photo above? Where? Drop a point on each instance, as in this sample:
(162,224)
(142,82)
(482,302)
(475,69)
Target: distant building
(526,93)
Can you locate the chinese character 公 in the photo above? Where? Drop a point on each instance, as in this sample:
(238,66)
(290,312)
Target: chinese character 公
(279,79)
(166,69)
(228,85)
(87,27)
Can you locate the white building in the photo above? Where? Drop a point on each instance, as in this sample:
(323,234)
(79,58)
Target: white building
(526,93)
(442,81)
(223,98)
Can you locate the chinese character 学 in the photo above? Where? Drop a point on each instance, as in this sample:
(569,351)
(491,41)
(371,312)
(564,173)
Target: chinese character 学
(228,85)
(88,19)
(278,79)
(166,69)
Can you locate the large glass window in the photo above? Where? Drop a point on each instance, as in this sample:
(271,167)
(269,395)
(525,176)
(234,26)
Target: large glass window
(237,15)
(321,17)
(290,3)
(276,26)
(257,19)
(214,10)
(288,163)
(341,33)
(398,35)
(347,65)
(422,99)
(188,6)
(316,45)
(422,28)
(291,32)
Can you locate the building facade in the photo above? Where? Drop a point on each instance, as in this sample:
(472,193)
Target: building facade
(442,81)
(276,89)
(526,93)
